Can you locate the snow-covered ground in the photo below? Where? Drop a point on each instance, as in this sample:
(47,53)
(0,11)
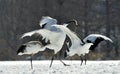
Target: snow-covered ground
(42,67)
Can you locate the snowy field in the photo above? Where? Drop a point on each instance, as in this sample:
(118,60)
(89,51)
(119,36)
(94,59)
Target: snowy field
(42,67)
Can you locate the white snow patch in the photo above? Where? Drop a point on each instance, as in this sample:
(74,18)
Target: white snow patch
(42,67)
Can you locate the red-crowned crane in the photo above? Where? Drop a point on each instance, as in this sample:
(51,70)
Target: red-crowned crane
(79,46)
(55,36)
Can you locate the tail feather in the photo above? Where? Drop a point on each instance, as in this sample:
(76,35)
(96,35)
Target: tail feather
(21,49)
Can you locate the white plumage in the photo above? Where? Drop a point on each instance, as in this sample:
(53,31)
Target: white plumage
(80,50)
(51,33)
(30,48)
(93,37)
(81,47)
(47,21)
(56,38)
(77,47)
(56,34)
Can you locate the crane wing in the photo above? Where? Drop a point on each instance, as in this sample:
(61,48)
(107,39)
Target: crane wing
(93,37)
(75,40)
(43,32)
(48,20)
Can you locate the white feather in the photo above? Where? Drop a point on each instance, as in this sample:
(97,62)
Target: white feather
(43,32)
(48,21)
(53,34)
(80,50)
(76,47)
(32,47)
(74,38)
(92,37)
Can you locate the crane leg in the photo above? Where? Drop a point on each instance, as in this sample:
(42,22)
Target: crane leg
(64,63)
(52,60)
(31,62)
(85,58)
(81,60)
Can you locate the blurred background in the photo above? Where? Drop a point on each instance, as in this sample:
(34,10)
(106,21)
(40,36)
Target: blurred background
(93,16)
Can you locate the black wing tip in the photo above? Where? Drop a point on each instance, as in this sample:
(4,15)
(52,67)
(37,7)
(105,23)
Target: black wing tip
(21,49)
